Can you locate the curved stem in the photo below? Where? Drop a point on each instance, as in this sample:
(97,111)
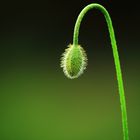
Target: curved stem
(115,55)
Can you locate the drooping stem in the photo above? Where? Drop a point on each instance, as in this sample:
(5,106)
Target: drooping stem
(115,56)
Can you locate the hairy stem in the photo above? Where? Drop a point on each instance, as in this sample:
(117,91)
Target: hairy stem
(115,56)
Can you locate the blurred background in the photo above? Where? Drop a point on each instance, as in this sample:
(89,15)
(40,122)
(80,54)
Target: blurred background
(37,101)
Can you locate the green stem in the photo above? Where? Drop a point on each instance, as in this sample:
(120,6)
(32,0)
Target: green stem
(115,55)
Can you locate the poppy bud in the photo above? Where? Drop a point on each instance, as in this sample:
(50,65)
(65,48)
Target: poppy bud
(74,61)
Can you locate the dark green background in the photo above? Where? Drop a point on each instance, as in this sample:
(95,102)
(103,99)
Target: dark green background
(37,101)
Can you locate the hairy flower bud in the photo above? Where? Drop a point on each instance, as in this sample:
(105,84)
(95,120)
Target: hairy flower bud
(74,61)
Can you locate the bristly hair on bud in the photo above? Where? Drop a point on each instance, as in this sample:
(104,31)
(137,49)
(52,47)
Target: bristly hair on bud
(74,61)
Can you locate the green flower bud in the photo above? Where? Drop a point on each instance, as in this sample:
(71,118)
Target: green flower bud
(74,61)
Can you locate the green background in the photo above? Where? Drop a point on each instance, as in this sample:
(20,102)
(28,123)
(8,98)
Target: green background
(38,102)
